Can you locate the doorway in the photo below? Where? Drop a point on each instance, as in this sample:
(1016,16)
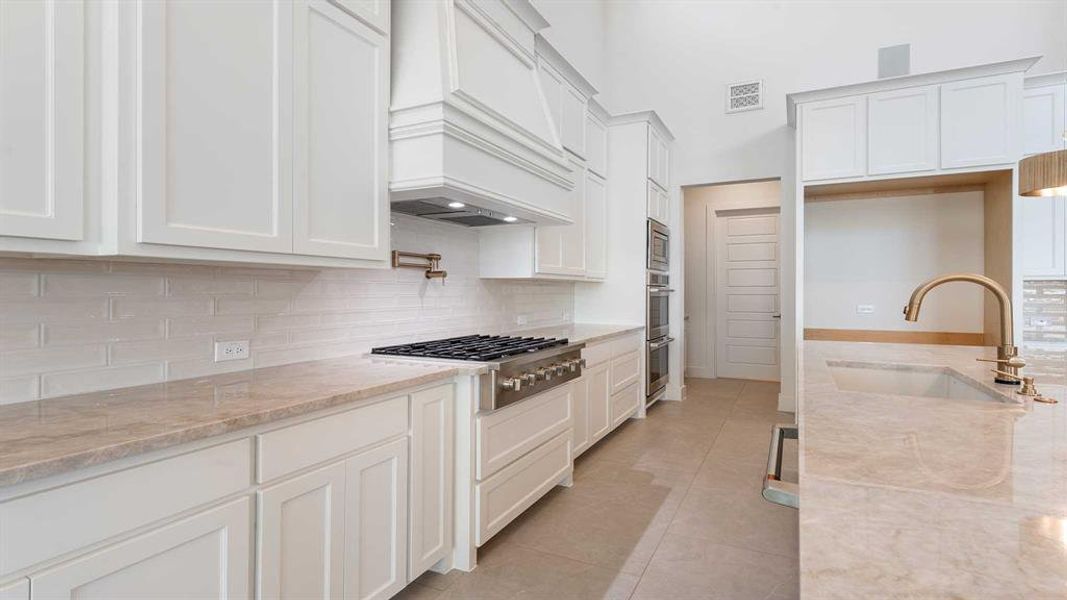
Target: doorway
(733,280)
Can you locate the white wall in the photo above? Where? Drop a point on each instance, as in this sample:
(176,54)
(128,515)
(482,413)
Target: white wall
(876,251)
(701,202)
(577,31)
(69,326)
(676,57)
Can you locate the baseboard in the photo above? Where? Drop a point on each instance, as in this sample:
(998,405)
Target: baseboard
(945,338)
(700,372)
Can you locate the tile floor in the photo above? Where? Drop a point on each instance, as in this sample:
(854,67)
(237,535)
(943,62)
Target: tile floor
(664,508)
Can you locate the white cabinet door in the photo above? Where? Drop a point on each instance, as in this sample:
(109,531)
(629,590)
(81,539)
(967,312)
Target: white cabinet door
(596,145)
(659,204)
(552,85)
(658,157)
(204,556)
(561,248)
(580,439)
(596,227)
(374,12)
(833,138)
(902,130)
(376,507)
(42,119)
(215,111)
(980,122)
(1044,231)
(301,536)
(624,404)
(1043,119)
(572,120)
(598,400)
(340,136)
(431,478)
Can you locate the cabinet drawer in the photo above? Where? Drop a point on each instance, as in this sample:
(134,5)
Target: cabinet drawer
(624,404)
(507,494)
(625,369)
(507,434)
(286,450)
(51,523)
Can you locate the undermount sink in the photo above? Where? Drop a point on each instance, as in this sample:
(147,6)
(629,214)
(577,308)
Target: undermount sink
(907,380)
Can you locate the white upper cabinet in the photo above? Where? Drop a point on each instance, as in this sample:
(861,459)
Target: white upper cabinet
(341,98)
(42,119)
(980,121)
(596,226)
(833,138)
(561,248)
(215,117)
(567,94)
(1044,129)
(658,158)
(373,12)
(659,204)
(572,121)
(902,130)
(596,140)
(1044,237)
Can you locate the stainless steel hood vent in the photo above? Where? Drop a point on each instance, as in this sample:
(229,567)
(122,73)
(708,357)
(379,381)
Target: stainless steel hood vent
(438,209)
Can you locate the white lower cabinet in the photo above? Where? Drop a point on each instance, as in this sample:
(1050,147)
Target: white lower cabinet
(580,438)
(432,459)
(625,403)
(596,385)
(301,537)
(376,522)
(204,556)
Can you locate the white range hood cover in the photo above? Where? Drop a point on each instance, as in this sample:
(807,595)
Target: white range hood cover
(469,121)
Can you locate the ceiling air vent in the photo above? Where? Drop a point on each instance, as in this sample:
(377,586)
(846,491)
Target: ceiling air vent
(747,95)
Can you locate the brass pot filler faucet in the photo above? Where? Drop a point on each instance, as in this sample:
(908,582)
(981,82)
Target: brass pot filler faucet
(1007,353)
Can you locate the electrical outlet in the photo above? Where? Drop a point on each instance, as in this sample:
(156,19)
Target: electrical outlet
(864,309)
(235,350)
(1038,322)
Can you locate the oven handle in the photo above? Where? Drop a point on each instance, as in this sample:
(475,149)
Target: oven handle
(658,345)
(659,290)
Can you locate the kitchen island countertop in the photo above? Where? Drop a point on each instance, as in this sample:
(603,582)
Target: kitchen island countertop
(908,496)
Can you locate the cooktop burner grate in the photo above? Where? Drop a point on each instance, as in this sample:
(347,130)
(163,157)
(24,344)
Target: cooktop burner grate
(478,348)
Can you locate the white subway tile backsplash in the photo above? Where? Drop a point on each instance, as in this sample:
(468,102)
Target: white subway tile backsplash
(59,358)
(77,332)
(91,380)
(111,324)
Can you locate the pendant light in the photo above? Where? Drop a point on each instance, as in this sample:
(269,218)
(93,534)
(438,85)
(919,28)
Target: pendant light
(1044,174)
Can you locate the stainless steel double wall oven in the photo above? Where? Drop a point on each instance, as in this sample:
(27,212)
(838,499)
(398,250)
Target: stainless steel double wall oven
(657,318)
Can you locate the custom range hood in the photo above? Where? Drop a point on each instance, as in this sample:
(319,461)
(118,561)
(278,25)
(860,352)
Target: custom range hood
(469,122)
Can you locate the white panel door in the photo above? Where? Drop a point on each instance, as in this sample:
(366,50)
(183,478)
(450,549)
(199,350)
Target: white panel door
(1044,237)
(980,122)
(215,110)
(747,319)
(374,12)
(431,478)
(42,119)
(598,400)
(552,85)
(1044,129)
(902,131)
(376,508)
(561,248)
(340,136)
(596,226)
(204,556)
(833,138)
(301,536)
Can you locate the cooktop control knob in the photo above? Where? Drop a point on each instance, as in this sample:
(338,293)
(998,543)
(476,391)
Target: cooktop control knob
(529,378)
(559,369)
(513,384)
(544,374)
(572,365)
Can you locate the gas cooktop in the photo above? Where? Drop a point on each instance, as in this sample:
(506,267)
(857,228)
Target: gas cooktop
(478,348)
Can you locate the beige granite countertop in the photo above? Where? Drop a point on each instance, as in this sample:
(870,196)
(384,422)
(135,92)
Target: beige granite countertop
(588,333)
(47,437)
(906,496)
